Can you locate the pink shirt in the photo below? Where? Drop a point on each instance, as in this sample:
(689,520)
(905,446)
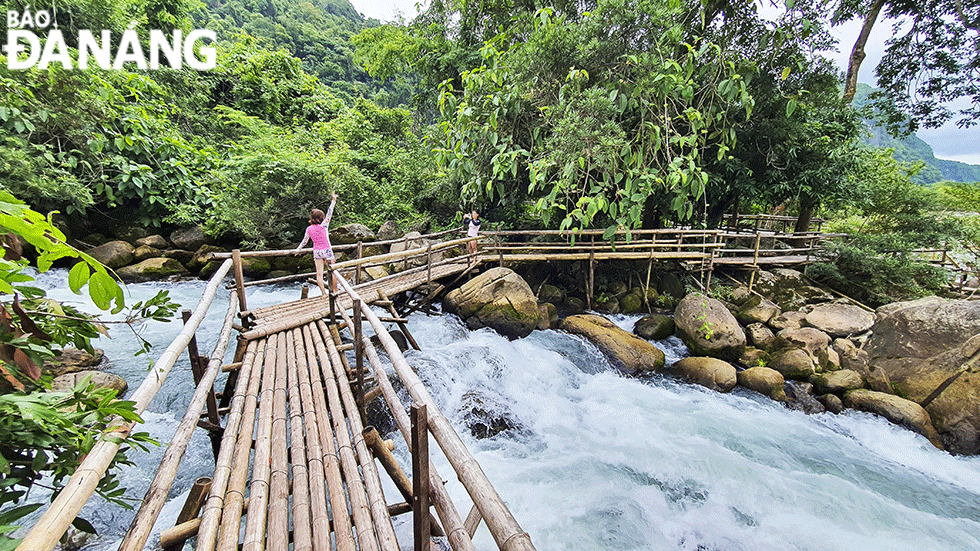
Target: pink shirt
(318,232)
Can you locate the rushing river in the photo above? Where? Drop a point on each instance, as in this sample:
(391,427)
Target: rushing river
(602,462)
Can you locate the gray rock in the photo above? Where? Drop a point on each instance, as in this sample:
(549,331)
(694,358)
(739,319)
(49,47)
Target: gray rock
(837,382)
(200,256)
(608,305)
(764,380)
(388,231)
(670,284)
(145,251)
(708,328)
(832,402)
(189,239)
(923,328)
(787,320)
(840,320)
(155,241)
(813,341)
(757,310)
(799,396)
(759,336)
(100,379)
(625,350)
(654,327)
(71,360)
(550,293)
(182,256)
(896,409)
(114,254)
(351,233)
(497,298)
(711,373)
(793,363)
(753,357)
(131,234)
(152,269)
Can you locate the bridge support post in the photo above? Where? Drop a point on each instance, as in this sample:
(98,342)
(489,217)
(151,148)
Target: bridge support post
(420,476)
(197,369)
(357,270)
(359,360)
(236,259)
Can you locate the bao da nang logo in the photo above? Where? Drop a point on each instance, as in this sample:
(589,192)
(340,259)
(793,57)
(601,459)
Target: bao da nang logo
(33,40)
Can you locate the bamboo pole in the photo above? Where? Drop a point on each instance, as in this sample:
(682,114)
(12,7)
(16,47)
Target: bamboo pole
(63,510)
(232,499)
(394,470)
(503,526)
(359,504)
(156,495)
(420,475)
(330,457)
(287,252)
(402,324)
(211,516)
(255,524)
(277,530)
(451,521)
(369,470)
(473,520)
(195,499)
(319,493)
(236,257)
(198,371)
(183,531)
(302,521)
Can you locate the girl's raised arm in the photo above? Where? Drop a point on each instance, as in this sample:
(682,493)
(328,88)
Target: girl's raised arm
(326,219)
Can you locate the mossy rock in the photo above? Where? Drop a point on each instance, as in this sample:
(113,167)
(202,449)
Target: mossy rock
(631,303)
(609,305)
(151,269)
(654,327)
(255,266)
(209,269)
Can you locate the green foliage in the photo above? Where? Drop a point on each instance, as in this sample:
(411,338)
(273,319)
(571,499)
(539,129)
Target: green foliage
(590,129)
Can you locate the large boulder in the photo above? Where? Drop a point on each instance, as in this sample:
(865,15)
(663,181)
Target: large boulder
(627,351)
(145,251)
(949,386)
(550,293)
(669,284)
(708,372)
(131,234)
(787,320)
(708,328)
(188,239)
(631,303)
(763,380)
(923,328)
(100,379)
(254,266)
(654,327)
(200,257)
(155,241)
(114,254)
(388,231)
(757,310)
(71,360)
(896,409)
(151,269)
(813,341)
(837,382)
(799,396)
(414,240)
(759,336)
(793,363)
(351,233)
(497,298)
(840,320)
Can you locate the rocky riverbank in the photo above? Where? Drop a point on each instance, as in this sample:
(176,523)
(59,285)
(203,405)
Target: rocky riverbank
(914,363)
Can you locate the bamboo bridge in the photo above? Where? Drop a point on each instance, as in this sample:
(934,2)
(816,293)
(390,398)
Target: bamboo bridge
(295,463)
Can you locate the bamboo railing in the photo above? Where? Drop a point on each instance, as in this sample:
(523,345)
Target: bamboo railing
(56,519)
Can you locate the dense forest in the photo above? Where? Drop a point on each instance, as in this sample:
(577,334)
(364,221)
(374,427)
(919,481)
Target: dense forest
(608,114)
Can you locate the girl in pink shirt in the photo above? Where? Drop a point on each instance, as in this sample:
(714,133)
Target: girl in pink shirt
(317,232)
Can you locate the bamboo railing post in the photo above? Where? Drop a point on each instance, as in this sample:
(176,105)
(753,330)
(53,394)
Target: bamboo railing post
(473,520)
(333,297)
(198,371)
(305,292)
(420,476)
(360,255)
(428,266)
(755,255)
(401,324)
(500,250)
(359,359)
(406,250)
(236,258)
(192,505)
(591,291)
(394,470)
(232,379)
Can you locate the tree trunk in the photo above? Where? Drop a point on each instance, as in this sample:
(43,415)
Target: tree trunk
(805,216)
(857,53)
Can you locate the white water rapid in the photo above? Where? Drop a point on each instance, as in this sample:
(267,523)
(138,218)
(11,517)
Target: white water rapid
(600,461)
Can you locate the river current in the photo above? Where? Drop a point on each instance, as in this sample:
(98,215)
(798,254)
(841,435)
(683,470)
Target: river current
(600,461)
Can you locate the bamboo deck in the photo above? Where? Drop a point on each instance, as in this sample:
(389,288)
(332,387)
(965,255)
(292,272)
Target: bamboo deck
(294,406)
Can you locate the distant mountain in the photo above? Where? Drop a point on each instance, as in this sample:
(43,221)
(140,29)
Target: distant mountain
(912,149)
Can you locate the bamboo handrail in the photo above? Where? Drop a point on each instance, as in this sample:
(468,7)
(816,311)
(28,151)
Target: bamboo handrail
(76,492)
(351,246)
(505,529)
(156,495)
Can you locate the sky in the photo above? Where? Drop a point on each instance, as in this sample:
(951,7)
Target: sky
(948,141)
